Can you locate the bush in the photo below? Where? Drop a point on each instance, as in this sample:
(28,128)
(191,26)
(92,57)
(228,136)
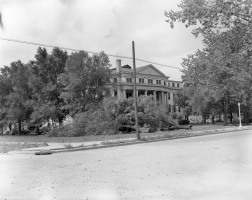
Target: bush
(93,123)
(61,131)
(174,116)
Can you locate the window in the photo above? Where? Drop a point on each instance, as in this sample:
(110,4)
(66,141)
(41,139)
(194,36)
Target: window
(179,109)
(115,80)
(129,80)
(158,82)
(169,108)
(169,95)
(164,83)
(174,108)
(115,93)
(141,80)
(173,84)
(150,81)
(177,84)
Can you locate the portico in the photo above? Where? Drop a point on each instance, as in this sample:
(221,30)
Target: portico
(160,96)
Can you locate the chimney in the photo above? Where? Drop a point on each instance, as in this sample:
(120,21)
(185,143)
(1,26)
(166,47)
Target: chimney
(118,65)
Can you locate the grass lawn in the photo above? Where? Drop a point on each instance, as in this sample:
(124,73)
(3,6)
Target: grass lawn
(12,146)
(44,138)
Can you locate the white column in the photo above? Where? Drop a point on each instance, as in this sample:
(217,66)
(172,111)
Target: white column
(124,94)
(162,98)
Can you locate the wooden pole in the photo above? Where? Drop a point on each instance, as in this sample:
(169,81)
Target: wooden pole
(135,92)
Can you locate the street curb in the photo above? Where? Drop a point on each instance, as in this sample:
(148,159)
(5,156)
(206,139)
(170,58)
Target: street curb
(102,146)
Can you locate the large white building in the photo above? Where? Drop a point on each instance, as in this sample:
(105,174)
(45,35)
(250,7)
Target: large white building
(150,80)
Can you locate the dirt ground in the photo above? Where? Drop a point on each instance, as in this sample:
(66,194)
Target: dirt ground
(198,168)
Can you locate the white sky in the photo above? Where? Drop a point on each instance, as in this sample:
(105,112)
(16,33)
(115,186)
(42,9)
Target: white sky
(97,25)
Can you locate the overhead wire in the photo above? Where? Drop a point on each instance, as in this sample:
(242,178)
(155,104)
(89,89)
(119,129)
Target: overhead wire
(77,50)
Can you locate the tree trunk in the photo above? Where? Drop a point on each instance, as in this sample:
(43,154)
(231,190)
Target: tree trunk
(231,118)
(60,119)
(225,110)
(9,125)
(225,119)
(213,119)
(204,120)
(19,127)
(247,117)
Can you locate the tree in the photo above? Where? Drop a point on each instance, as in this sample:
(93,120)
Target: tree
(85,80)
(44,81)
(222,68)
(5,90)
(16,93)
(212,15)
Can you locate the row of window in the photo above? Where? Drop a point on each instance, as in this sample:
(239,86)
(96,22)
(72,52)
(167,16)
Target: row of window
(173,108)
(150,81)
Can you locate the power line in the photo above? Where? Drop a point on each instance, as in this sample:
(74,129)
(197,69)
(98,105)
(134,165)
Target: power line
(71,49)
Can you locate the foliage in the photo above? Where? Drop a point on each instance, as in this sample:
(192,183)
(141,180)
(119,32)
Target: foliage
(220,74)
(212,15)
(61,131)
(111,113)
(5,90)
(85,80)
(51,86)
(95,124)
(44,75)
(16,97)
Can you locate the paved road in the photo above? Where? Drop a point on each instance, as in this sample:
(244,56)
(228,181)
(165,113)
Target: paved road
(207,167)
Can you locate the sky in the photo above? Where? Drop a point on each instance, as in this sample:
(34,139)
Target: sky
(97,25)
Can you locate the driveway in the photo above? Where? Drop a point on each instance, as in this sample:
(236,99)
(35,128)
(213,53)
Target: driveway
(207,167)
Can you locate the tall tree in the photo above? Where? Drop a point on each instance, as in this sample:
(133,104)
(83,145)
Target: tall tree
(222,68)
(5,90)
(17,107)
(85,80)
(44,80)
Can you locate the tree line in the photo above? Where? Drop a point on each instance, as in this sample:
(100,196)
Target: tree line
(56,85)
(52,86)
(219,76)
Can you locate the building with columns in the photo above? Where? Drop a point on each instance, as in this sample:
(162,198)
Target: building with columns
(150,81)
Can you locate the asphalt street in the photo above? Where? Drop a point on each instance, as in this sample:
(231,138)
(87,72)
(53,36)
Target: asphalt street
(206,167)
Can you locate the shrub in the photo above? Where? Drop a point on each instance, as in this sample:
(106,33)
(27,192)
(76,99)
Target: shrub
(61,131)
(174,116)
(93,123)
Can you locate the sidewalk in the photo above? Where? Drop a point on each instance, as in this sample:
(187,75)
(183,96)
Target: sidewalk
(68,147)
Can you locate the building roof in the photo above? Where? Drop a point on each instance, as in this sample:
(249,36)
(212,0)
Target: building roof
(144,68)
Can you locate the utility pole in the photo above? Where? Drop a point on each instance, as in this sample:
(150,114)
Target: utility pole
(135,92)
